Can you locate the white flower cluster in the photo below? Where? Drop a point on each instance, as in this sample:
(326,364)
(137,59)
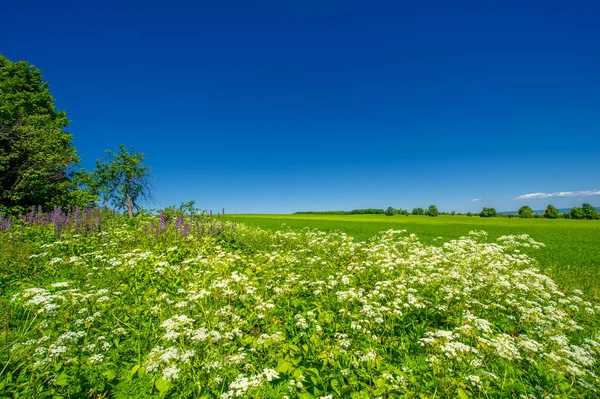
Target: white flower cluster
(242,384)
(168,360)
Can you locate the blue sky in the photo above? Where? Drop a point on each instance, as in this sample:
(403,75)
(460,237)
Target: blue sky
(281,106)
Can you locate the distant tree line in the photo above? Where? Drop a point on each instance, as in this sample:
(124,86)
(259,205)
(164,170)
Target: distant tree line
(390,211)
(368,211)
(585,212)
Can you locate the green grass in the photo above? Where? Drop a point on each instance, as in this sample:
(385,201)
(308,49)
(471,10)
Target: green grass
(571,255)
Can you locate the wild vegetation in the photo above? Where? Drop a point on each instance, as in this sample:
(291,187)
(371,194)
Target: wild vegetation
(571,255)
(193,306)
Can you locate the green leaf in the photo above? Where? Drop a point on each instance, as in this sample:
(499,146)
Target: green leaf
(62,379)
(162,385)
(284,367)
(336,386)
(312,371)
(298,372)
(462,394)
(134,369)
(359,395)
(293,348)
(380,383)
(109,374)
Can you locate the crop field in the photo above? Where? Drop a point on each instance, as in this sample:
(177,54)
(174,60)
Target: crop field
(101,306)
(571,254)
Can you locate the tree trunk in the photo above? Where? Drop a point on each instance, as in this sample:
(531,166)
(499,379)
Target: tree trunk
(129,206)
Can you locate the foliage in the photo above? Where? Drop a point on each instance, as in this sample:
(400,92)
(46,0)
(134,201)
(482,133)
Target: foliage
(36,154)
(488,213)
(586,211)
(137,312)
(551,212)
(184,208)
(418,211)
(122,179)
(432,211)
(321,213)
(577,213)
(589,212)
(390,211)
(525,212)
(367,211)
(571,255)
(190,207)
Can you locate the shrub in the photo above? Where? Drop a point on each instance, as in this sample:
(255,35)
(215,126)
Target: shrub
(488,213)
(551,212)
(432,211)
(525,212)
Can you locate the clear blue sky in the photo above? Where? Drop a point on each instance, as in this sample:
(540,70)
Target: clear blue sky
(282,106)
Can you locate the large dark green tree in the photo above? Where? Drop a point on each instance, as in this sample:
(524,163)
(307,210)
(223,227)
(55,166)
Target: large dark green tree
(577,213)
(586,211)
(487,213)
(418,211)
(432,211)
(525,212)
(551,212)
(390,211)
(122,179)
(36,153)
(589,211)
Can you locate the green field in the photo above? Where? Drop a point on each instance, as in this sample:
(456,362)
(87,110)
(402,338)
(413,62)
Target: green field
(571,255)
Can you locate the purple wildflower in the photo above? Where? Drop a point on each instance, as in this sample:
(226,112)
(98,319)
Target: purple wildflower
(163,222)
(178,222)
(5,224)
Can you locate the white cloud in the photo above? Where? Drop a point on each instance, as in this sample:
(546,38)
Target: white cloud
(585,193)
(475,200)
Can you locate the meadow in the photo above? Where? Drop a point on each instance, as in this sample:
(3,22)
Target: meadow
(99,305)
(571,254)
